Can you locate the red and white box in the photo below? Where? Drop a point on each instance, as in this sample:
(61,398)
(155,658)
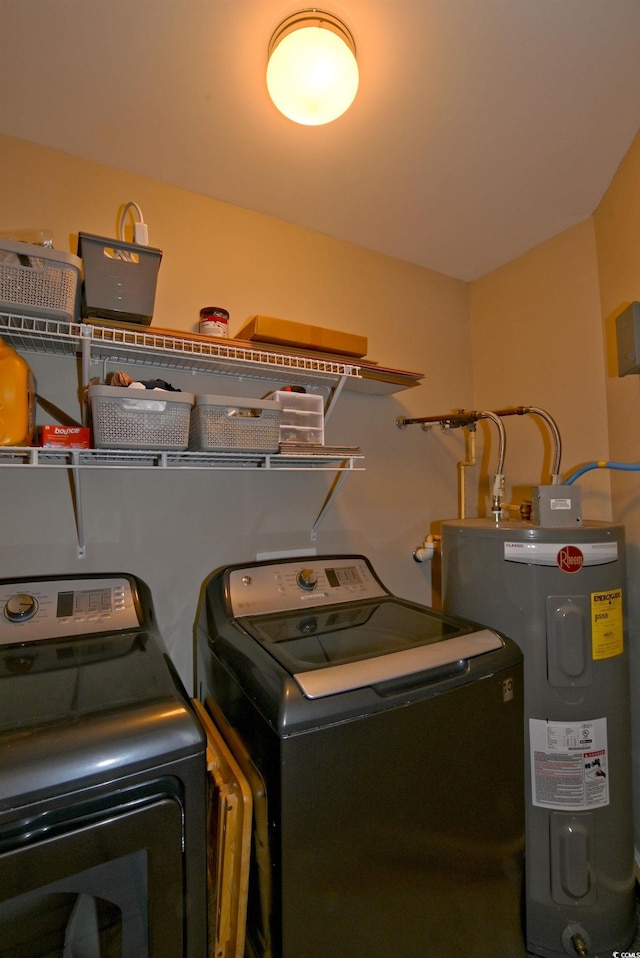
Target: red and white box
(65,437)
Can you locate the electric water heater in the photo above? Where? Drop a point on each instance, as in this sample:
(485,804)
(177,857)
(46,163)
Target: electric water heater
(559,593)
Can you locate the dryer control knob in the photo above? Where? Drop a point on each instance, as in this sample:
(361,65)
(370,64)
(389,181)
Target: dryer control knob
(20,607)
(307,579)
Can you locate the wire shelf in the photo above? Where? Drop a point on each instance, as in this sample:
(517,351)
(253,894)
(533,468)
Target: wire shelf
(146,348)
(102,344)
(37,456)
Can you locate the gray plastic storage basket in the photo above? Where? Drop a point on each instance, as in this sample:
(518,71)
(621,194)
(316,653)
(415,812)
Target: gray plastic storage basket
(39,281)
(125,418)
(229,424)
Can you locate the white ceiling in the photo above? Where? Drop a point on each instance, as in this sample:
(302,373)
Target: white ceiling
(481,127)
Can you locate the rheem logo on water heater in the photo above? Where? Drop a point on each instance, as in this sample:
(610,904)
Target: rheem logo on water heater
(570,559)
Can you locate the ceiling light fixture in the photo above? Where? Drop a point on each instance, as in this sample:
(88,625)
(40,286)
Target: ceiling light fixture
(312,74)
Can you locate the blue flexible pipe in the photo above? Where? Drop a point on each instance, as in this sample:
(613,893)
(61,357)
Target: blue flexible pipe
(602,464)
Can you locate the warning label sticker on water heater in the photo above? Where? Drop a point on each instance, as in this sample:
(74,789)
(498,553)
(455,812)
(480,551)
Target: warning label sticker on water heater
(607,634)
(569,764)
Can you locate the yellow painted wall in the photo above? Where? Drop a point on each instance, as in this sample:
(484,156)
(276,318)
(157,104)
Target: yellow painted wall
(617,230)
(537,340)
(218,254)
(174,529)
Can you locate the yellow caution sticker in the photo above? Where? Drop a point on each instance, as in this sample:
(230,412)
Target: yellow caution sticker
(607,634)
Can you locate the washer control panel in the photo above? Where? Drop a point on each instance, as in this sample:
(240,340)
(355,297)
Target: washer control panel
(37,609)
(301,583)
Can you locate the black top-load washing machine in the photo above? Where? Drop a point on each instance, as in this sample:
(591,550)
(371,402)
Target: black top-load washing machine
(102,777)
(386,741)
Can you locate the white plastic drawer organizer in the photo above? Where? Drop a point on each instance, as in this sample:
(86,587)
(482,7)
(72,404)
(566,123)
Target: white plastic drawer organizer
(302,417)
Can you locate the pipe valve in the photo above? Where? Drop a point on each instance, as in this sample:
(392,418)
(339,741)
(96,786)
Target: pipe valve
(576,940)
(580,945)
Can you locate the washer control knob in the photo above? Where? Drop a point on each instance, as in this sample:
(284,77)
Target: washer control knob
(20,607)
(307,579)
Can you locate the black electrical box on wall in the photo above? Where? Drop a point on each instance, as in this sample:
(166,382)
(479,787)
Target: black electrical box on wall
(628,338)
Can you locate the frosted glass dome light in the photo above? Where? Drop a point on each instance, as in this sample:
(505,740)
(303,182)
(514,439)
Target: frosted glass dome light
(312,74)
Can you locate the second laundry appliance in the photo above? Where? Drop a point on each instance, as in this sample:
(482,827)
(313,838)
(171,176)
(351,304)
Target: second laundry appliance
(388,741)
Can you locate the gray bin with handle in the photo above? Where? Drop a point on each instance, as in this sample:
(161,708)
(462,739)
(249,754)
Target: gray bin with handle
(119,279)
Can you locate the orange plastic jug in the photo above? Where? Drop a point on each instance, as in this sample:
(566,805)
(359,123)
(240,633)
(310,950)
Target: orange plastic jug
(17,398)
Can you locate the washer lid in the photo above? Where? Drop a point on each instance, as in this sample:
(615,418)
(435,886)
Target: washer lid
(336,650)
